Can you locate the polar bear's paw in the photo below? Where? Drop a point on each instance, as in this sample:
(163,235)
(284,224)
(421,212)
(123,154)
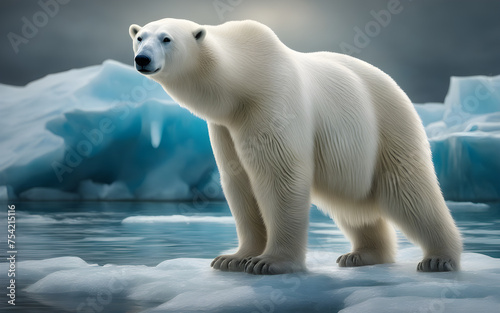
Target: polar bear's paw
(437,264)
(360,258)
(229,263)
(269,265)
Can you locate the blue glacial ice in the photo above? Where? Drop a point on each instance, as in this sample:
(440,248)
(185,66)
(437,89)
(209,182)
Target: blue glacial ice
(464,134)
(106,132)
(102,132)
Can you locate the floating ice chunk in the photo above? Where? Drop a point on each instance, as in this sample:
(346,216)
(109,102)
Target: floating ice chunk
(455,206)
(112,239)
(178,219)
(32,271)
(35,219)
(26,218)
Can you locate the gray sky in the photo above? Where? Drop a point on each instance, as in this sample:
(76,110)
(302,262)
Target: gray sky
(420,44)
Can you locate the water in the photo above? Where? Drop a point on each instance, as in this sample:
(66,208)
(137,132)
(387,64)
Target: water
(94,232)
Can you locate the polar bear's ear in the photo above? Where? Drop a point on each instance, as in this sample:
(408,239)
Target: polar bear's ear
(199,34)
(133,30)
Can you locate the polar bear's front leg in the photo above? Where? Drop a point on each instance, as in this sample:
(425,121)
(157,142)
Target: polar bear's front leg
(236,185)
(281,177)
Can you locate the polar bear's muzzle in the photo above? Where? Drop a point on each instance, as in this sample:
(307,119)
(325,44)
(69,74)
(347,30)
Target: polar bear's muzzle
(143,64)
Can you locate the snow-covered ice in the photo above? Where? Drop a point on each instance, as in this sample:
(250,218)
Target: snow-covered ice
(107,133)
(190,285)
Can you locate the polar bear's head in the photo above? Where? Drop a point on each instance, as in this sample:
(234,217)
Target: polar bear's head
(166,47)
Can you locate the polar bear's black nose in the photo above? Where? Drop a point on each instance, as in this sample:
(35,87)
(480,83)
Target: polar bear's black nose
(142,60)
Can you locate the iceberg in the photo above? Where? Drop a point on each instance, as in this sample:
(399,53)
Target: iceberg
(464,134)
(102,133)
(190,285)
(106,132)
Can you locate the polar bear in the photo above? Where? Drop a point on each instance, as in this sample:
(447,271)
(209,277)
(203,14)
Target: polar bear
(289,129)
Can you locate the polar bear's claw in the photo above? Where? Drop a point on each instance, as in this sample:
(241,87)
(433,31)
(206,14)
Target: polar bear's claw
(360,258)
(350,260)
(228,263)
(437,264)
(257,266)
(266,265)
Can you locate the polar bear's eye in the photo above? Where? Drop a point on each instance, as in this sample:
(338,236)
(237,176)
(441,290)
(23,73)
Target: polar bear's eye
(139,38)
(166,39)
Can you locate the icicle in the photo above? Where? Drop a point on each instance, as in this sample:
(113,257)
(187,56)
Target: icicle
(156,132)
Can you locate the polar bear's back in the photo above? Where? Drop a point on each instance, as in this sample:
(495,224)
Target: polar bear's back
(359,111)
(365,118)
(245,34)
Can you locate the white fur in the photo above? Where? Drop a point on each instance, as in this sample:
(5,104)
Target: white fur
(290,128)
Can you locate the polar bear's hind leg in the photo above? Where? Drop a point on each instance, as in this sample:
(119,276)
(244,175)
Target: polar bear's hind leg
(373,243)
(410,196)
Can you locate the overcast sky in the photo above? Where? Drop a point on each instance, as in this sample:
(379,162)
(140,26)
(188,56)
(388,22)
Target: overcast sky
(420,43)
